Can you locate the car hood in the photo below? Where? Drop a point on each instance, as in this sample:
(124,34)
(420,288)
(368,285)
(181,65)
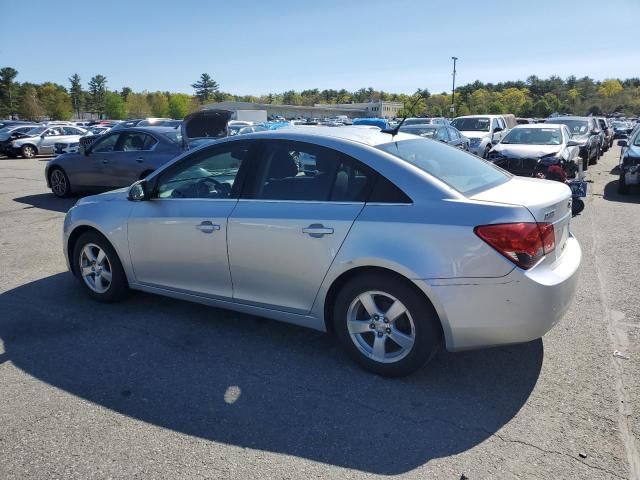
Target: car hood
(473,134)
(211,123)
(119,194)
(525,151)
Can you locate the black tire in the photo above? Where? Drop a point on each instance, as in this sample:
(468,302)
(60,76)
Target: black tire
(118,287)
(585,162)
(28,151)
(60,185)
(485,155)
(577,206)
(594,160)
(427,328)
(623,188)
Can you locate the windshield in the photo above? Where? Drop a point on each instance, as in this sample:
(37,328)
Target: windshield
(619,125)
(6,129)
(462,171)
(576,127)
(475,124)
(36,131)
(534,136)
(423,132)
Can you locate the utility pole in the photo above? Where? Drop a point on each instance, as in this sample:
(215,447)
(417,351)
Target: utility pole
(453,90)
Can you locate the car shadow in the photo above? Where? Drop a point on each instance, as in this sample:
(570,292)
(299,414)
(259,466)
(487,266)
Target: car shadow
(259,384)
(47,201)
(611,193)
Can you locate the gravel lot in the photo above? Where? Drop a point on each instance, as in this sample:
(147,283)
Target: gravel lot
(159,388)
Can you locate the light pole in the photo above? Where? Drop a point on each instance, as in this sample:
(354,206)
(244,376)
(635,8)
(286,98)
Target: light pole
(453,90)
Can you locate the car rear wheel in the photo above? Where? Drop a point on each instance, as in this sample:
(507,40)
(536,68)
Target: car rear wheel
(98,267)
(386,325)
(59,182)
(28,151)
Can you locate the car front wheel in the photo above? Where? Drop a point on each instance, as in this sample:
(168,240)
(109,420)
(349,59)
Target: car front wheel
(386,325)
(98,267)
(623,188)
(28,151)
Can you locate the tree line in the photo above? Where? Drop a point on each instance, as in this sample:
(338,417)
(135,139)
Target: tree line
(533,97)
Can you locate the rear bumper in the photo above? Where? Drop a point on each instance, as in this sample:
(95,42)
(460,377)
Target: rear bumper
(522,306)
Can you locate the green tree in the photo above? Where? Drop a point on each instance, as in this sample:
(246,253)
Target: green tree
(179,105)
(30,107)
(205,88)
(159,104)
(124,93)
(541,109)
(496,108)
(55,102)
(610,87)
(138,106)
(115,108)
(8,91)
(97,94)
(77,95)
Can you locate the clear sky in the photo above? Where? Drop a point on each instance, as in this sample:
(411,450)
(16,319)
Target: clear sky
(257,47)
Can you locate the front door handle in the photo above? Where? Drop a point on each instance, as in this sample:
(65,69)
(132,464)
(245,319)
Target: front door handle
(105,161)
(139,159)
(207,227)
(317,230)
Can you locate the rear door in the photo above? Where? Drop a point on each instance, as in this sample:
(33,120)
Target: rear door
(297,207)
(47,142)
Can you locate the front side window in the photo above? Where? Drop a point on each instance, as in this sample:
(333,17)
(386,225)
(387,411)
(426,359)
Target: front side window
(106,144)
(209,174)
(453,133)
(462,171)
(296,171)
(72,131)
(442,135)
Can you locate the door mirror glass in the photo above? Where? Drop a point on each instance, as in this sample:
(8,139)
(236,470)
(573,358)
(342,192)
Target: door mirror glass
(495,141)
(138,191)
(572,143)
(622,143)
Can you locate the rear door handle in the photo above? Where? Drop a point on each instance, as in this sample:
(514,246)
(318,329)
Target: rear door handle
(139,159)
(105,161)
(207,227)
(317,230)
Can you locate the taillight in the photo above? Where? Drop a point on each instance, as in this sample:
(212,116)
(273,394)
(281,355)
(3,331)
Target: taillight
(522,243)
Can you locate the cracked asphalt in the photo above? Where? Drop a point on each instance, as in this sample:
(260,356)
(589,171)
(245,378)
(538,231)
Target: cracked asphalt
(159,388)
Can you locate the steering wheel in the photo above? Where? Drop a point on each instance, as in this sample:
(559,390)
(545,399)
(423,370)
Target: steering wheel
(203,187)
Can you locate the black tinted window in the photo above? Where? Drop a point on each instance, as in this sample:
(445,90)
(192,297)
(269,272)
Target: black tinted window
(106,144)
(386,192)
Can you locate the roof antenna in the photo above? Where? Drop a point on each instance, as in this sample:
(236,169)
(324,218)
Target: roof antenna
(394,131)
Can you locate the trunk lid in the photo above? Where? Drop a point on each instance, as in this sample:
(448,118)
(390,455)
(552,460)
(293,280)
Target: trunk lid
(205,124)
(548,202)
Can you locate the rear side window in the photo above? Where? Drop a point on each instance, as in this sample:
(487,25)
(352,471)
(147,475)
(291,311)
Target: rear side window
(462,171)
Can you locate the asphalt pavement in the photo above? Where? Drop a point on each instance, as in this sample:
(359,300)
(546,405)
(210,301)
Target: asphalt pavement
(159,388)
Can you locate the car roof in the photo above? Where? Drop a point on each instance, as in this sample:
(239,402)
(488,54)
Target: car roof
(538,125)
(363,135)
(155,130)
(417,126)
(569,117)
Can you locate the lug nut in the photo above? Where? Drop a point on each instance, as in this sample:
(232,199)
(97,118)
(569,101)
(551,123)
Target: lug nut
(379,334)
(388,330)
(372,326)
(386,320)
(376,317)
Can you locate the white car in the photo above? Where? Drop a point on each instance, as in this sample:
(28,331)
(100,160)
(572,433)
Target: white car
(73,145)
(483,131)
(42,140)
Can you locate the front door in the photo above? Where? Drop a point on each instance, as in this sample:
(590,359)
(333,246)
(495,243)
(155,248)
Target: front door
(299,202)
(90,169)
(178,239)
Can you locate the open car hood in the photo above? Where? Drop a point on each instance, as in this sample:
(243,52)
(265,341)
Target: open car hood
(205,124)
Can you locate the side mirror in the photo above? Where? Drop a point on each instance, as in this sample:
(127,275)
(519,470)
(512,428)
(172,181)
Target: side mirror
(595,131)
(623,143)
(497,129)
(139,191)
(42,135)
(495,141)
(83,150)
(572,143)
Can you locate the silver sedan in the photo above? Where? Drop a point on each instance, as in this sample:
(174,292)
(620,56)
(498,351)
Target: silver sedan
(396,244)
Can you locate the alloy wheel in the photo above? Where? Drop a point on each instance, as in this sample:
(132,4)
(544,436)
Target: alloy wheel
(95,268)
(381,327)
(28,151)
(58,183)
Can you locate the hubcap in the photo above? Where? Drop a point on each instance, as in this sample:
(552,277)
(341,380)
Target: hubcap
(28,152)
(95,268)
(58,183)
(381,327)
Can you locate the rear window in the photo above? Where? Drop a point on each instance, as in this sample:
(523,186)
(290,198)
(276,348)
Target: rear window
(462,171)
